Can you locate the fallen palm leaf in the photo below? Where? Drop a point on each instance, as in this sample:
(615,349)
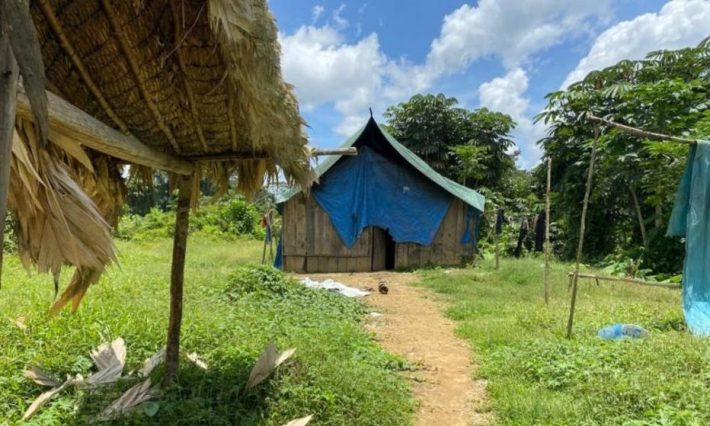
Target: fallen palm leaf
(44,398)
(197,360)
(40,377)
(303,421)
(129,400)
(152,362)
(19,323)
(110,361)
(265,365)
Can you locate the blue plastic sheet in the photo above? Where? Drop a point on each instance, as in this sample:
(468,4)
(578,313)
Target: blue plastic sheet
(369,190)
(622,331)
(691,219)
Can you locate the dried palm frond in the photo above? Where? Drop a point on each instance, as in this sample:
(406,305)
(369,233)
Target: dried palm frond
(128,401)
(44,398)
(40,377)
(57,222)
(266,364)
(303,421)
(110,360)
(197,360)
(152,362)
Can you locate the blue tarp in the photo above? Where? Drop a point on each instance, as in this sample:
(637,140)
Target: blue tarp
(369,190)
(691,219)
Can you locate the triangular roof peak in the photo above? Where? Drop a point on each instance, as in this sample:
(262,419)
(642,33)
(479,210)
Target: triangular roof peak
(463,193)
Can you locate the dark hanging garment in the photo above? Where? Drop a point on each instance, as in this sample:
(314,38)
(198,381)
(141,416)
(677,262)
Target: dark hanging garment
(540,232)
(524,227)
(500,221)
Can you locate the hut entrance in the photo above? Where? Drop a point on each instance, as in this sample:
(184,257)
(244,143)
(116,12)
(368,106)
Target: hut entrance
(383,250)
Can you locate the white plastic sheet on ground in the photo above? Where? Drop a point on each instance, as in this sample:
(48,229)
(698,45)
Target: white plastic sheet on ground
(335,286)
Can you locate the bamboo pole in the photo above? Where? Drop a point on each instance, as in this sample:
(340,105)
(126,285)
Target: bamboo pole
(177,275)
(626,280)
(582,226)
(547,231)
(639,216)
(9,73)
(639,132)
(257,155)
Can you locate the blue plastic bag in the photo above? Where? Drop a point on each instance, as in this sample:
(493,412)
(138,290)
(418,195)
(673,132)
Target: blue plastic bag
(621,331)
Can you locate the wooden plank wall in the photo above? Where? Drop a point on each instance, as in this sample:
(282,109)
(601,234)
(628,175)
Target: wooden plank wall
(311,244)
(446,248)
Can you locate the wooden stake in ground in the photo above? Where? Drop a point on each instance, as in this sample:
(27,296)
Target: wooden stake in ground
(547,231)
(582,226)
(9,73)
(177,275)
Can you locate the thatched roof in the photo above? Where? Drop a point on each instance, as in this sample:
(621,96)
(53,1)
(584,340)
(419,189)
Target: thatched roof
(188,80)
(190,77)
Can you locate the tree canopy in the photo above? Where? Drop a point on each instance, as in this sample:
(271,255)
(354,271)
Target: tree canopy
(472,147)
(635,179)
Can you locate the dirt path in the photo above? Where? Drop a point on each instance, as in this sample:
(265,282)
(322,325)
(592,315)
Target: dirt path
(411,325)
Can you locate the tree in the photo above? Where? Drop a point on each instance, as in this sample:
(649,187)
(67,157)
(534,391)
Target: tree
(438,130)
(635,179)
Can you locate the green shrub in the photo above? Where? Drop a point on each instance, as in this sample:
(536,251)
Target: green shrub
(225,219)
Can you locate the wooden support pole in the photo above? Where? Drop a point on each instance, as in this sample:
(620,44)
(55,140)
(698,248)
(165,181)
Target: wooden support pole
(582,226)
(9,73)
(596,278)
(547,231)
(177,275)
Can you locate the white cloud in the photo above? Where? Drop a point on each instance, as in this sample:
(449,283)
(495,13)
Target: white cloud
(327,68)
(340,22)
(317,12)
(511,30)
(507,95)
(680,23)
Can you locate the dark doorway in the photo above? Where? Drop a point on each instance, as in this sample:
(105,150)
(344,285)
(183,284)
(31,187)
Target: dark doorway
(383,250)
(390,247)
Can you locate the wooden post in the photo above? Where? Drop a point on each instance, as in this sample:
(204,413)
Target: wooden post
(582,226)
(547,231)
(9,73)
(177,275)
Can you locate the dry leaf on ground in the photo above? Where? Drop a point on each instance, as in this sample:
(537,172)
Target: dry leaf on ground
(41,377)
(44,398)
(265,365)
(197,360)
(152,362)
(129,400)
(303,421)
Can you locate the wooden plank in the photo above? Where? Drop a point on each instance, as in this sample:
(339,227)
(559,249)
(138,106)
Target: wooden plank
(342,264)
(379,249)
(299,209)
(67,120)
(295,264)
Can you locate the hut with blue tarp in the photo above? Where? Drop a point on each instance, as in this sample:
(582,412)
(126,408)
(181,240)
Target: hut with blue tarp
(385,208)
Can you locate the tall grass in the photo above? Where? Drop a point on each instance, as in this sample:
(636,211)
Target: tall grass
(538,377)
(338,373)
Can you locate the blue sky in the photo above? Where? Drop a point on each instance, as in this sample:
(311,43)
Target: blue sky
(346,56)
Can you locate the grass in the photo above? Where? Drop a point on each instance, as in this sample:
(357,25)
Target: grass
(338,373)
(537,376)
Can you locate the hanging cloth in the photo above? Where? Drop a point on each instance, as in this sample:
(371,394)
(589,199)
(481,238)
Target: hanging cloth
(540,232)
(500,221)
(691,219)
(524,227)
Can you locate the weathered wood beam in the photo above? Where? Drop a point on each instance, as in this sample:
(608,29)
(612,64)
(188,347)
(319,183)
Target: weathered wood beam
(626,280)
(261,155)
(177,277)
(70,121)
(638,132)
(9,73)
